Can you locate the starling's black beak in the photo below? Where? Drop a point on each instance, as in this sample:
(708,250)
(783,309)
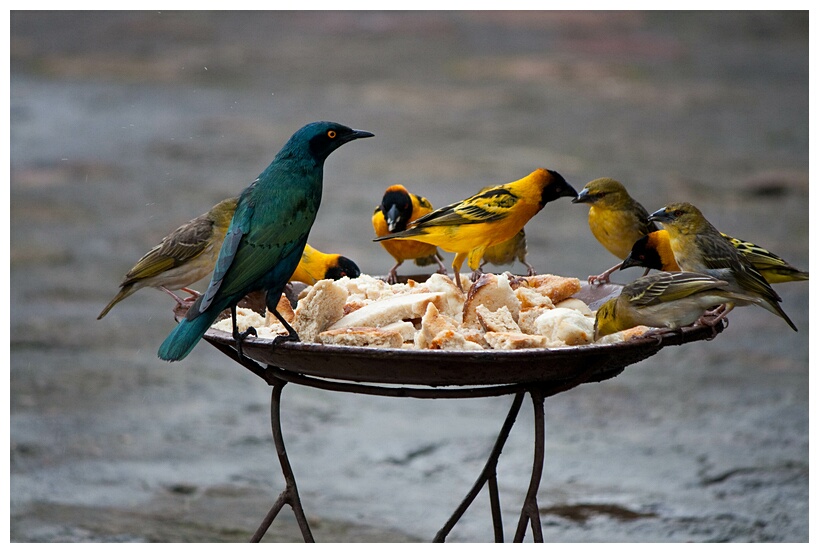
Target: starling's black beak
(357,134)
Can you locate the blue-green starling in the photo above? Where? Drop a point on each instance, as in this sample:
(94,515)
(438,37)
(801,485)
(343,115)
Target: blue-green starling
(266,237)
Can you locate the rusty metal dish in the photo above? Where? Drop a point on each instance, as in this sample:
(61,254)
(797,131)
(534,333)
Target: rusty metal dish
(462,368)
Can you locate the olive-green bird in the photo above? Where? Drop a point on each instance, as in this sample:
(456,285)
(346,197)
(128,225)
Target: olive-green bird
(666,301)
(699,247)
(185,256)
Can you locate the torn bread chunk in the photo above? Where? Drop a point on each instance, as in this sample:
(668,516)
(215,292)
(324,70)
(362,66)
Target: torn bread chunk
(527,318)
(433,323)
(624,335)
(367,337)
(285,310)
(530,298)
(491,291)
(565,327)
(558,288)
(245,317)
(321,307)
(452,302)
(496,321)
(514,340)
(452,340)
(577,305)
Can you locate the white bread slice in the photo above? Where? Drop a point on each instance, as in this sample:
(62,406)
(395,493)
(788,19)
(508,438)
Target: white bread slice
(388,310)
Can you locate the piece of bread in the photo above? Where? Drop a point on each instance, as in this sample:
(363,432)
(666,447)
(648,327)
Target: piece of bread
(563,327)
(491,291)
(623,335)
(577,305)
(388,310)
(285,310)
(365,337)
(321,307)
(452,302)
(558,288)
(527,318)
(496,321)
(433,323)
(452,340)
(514,340)
(530,298)
(405,328)
(245,317)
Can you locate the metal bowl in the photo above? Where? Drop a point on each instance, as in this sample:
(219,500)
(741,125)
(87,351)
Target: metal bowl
(463,368)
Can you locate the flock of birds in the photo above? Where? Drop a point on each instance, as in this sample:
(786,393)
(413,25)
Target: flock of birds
(258,241)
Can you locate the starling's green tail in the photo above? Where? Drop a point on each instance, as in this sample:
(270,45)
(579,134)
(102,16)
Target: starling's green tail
(181,341)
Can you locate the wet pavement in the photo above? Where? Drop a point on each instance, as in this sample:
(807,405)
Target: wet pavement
(124,125)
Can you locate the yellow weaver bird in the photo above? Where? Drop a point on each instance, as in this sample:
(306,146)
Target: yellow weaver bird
(315,266)
(399,208)
(615,218)
(667,301)
(505,253)
(653,251)
(494,215)
(183,257)
(699,247)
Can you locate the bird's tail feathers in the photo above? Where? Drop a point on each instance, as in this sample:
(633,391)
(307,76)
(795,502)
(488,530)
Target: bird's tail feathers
(181,341)
(123,293)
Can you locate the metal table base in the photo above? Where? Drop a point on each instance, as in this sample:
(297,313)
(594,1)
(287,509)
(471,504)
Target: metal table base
(277,378)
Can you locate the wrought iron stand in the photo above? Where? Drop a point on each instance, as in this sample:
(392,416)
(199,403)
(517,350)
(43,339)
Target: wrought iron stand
(529,514)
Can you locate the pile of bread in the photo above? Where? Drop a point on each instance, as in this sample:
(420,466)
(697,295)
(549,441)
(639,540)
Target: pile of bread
(500,312)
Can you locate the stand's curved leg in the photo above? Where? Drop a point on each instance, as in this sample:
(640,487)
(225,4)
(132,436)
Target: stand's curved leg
(488,475)
(290,495)
(530,512)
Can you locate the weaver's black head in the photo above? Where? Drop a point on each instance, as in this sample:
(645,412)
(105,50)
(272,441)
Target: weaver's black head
(396,205)
(344,267)
(642,255)
(557,187)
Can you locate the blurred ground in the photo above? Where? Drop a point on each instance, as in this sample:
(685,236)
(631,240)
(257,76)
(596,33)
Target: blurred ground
(124,125)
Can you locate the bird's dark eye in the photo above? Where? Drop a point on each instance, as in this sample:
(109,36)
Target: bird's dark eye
(678,213)
(331,134)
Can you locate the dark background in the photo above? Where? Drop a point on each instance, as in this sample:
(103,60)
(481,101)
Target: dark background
(126,124)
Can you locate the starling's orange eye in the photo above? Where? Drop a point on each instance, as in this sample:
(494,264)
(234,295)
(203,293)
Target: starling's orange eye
(331,134)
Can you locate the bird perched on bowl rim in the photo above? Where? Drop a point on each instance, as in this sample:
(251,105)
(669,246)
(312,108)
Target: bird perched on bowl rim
(667,301)
(266,237)
(467,228)
(699,247)
(653,251)
(398,208)
(616,219)
(315,266)
(182,258)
